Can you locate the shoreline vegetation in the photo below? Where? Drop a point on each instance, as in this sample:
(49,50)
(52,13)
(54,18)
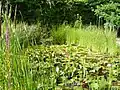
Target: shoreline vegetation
(59,45)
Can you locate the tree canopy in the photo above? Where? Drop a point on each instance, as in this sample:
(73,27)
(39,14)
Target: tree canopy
(59,11)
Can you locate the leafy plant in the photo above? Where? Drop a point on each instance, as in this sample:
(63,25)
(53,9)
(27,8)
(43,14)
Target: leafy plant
(73,66)
(110,12)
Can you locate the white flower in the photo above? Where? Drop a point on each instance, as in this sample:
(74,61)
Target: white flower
(57,69)
(109,65)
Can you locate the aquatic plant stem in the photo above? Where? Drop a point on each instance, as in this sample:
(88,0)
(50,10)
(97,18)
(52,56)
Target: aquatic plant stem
(8,63)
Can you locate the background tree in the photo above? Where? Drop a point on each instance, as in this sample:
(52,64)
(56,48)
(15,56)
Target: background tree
(109,10)
(52,12)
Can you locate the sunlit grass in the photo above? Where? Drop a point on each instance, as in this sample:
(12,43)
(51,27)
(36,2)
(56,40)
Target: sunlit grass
(90,36)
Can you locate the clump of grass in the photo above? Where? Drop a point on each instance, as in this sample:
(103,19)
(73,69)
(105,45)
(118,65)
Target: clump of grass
(21,76)
(59,35)
(14,73)
(95,38)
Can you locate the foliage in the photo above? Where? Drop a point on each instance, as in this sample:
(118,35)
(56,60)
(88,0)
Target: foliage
(107,9)
(89,36)
(59,35)
(52,12)
(110,12)
(73,66)
(19,66)
(56,67)
(30,34)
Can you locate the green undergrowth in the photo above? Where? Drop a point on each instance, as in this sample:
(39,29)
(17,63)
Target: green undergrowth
(56,66)
(71,68)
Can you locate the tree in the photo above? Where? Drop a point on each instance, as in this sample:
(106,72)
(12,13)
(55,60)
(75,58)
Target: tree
(107,9)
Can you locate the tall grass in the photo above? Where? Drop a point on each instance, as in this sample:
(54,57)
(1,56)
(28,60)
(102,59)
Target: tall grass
(16,70)
(15,73)
(100,39)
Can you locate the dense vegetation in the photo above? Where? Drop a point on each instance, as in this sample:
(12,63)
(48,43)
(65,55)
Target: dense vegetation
(59,45)
(71,67)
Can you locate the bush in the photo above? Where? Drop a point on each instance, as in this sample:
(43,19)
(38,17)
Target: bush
(52,12)
(107,11)
(110,12)
(72,66)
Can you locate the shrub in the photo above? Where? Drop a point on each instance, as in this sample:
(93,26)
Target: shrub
(110,12)
(52,12)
